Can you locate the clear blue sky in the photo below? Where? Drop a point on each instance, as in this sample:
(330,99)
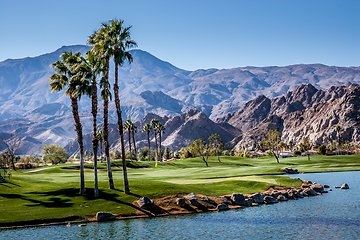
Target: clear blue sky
(194,34)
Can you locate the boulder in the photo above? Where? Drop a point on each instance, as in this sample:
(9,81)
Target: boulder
(249,201)
(238,199)
(222,207)
(180,202)
(281,198)
(317,187)
(192,198)
(289,170)
(326,186)
(309,192)
(207,199)
(145,202)
(105,216)
(257,198)
(345,186)
(270,199)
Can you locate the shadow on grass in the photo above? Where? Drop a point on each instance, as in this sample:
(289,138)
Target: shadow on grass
(53,202)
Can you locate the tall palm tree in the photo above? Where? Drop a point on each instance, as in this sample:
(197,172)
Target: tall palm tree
(153,123)
(65,76)
(148,129)
(160,129)
(338,129)
(90,69)
(128,127)
(101,47)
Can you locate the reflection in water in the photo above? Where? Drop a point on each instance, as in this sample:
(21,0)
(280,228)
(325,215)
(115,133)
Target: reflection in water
(334,215)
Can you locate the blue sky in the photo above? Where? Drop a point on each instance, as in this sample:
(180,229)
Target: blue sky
(194,34)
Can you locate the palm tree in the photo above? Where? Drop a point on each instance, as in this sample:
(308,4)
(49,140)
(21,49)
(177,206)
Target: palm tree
(100,139)
(90,69)
(101,47)
(338,129)
(148,129)
(160,129)
(65,76)
(127,126)
(133,131)
(153,123)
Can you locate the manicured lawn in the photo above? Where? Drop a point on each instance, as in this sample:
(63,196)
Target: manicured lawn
(52,194)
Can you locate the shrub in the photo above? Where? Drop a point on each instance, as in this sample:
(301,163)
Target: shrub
(322,150)
(269,153)
(297,152)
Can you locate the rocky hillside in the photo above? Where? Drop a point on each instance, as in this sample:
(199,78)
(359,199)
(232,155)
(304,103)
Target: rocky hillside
(304,96)
(180,131)
(317,123)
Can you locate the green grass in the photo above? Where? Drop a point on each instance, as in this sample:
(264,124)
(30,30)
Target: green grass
(52,194)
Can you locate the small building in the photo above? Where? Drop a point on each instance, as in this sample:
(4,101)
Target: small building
(286,154)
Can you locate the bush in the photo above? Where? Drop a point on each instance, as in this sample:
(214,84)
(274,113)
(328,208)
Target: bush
(297,152)
(322,150)
(54,154)
(117,154)
(185,153)
(269,153)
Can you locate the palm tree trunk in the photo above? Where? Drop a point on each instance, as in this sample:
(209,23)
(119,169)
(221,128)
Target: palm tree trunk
(95,141)
(133,138)
(120,126)
(101,151)
(160,158)
(129,133)
(149,152)
(156,148)
(106,133)
(78,128)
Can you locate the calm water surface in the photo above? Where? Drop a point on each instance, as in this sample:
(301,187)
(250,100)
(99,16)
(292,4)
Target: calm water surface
(335,215)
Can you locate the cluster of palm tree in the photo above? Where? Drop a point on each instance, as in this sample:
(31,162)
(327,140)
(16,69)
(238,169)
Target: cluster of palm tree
(131,128)
(158,128)
(81,76)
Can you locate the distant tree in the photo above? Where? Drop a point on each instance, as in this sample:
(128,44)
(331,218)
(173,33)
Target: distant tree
(148,129)
(12,144)
(291,145)
(199,147)
(322,150)
(167,153)
(271,141)
(153,123)
(216,143)
(128,126)
(54,154)
(117,154)
(282,146)
(338,129)
(306,145)
(159,128)
(133,131)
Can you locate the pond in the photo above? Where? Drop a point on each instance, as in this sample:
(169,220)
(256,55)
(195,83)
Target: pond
(334,215)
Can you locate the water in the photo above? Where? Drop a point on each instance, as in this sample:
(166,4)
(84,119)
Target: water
(335,215)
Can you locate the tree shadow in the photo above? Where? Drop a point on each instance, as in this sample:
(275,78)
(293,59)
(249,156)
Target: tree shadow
(51,203)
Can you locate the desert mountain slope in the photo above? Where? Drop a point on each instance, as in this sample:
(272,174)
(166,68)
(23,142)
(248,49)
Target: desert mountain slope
(304,96)
(317,123)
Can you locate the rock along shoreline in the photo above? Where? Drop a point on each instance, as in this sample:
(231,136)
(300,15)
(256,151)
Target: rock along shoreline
(184,203)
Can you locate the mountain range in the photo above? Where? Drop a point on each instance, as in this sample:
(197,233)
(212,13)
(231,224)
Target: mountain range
(150,85)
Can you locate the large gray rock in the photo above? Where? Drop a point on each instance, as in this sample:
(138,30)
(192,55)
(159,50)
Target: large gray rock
(270,199)
(207,199)
(192,198)
(257,198)
(249,201)
(309,192)
(281,198)
(145,202)
(317,187)
(180,202)
(105,216)
(238,199)
(345,186)
(222,207)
